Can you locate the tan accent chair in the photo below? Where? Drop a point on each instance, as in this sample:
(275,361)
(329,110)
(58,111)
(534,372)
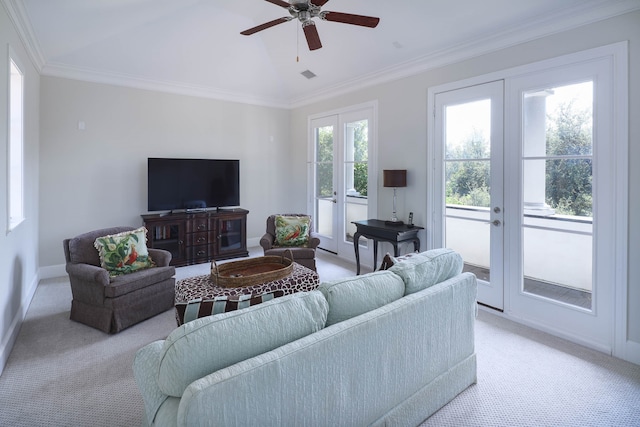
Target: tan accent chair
(113,304)
(304,255)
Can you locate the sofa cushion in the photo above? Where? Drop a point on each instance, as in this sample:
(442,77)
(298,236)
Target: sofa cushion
(292,230)
(297,253)
(206,345)
(356,295)
(197,308)
(420,271)
(124,252)
(124,284)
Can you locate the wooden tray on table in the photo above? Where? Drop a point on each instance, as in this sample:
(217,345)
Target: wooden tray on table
(253,271)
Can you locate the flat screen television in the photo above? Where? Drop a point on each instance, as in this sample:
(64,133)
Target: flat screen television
(192,184)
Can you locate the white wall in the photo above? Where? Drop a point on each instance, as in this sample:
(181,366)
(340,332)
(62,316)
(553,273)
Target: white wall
(402,126)
(19,248)
(97,177)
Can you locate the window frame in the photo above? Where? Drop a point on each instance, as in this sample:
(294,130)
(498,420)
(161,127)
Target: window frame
(15,142)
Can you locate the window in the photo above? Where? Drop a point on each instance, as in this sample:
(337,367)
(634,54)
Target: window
(15,155)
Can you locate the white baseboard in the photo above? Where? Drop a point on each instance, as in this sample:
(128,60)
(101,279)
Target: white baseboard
(14,329)
(632,352)
(52,271)
(585,342)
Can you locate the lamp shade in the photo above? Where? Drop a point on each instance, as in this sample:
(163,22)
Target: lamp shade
(395,177)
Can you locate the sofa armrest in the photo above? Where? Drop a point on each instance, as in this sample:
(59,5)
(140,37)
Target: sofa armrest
(145,372)
(161,257)
(267,241)
(88,273)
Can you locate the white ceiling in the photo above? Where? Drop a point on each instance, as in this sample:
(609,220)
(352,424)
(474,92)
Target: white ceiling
(195,47)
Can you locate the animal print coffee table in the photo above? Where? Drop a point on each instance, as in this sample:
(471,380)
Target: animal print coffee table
(302,279)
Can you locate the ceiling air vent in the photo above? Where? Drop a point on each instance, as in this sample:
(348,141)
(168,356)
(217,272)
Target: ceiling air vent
(308,74)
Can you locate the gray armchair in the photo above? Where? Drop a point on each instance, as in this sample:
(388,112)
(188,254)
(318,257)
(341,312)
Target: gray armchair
(113,304)
(304,255)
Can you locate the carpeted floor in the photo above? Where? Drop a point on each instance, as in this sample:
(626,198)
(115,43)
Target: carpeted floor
(62,373)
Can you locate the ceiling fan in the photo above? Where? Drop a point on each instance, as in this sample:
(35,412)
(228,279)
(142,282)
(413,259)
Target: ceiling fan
(305,10)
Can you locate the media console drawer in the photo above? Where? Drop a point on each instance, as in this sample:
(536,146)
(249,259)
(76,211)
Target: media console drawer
(199,253)
(198,223)
(201,238)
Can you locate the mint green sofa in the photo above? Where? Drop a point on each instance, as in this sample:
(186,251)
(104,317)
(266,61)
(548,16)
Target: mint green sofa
(386,348)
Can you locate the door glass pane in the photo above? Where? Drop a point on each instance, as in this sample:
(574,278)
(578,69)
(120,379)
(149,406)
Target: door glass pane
(467,183)
(324,180)
(356,174)
(557,194)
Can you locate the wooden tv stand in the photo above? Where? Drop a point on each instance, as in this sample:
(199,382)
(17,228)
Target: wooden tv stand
(197,237)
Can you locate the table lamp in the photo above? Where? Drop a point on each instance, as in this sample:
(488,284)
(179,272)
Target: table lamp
(394,178)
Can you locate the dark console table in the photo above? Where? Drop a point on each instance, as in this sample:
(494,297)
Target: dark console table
(377,230)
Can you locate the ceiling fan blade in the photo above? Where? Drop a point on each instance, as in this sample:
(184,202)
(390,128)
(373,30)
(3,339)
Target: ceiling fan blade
(266,25)
(347,18)
(281,3)
(311,33)
(319,3)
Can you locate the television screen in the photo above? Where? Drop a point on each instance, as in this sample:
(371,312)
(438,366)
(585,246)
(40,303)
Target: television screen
(176,184)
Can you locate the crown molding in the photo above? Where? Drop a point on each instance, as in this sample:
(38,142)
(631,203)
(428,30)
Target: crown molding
(20,19)
(585,13)
(118,79)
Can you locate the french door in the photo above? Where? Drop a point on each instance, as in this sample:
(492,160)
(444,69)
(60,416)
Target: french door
(342,186)
(325,210)
(469,132)
(564,201)
(524,189)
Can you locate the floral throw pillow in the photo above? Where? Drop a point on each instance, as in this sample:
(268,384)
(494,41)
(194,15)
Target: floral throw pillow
(124,252)
(292,230)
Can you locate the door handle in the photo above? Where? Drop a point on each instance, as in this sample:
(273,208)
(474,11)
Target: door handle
(496,222)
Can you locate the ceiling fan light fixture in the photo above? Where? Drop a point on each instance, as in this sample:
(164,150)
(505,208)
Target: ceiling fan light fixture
(304,16)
